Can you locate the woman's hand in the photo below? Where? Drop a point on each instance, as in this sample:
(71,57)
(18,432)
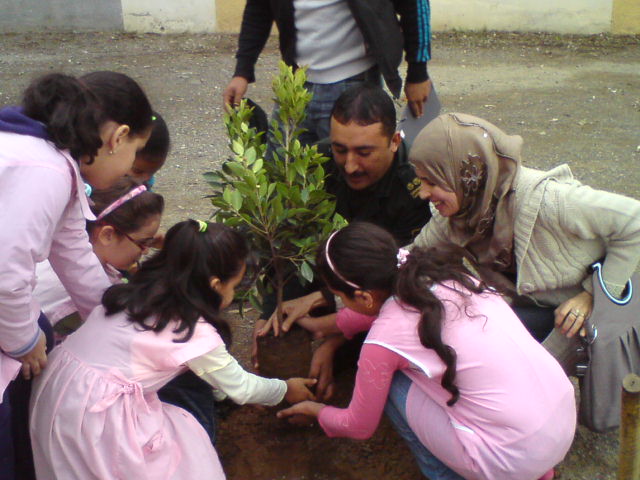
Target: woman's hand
(292,310)
(571,314)
(298,389)
(308,409)
(34,361)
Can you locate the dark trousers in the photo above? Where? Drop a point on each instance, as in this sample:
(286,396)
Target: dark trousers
(190,392)
(538,320)
(15,444)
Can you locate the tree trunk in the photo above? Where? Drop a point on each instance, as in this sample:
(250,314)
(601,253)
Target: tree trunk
(288,355)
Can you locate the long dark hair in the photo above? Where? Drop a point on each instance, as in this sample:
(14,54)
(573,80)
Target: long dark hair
(366,255)
(132,214)
(174,284)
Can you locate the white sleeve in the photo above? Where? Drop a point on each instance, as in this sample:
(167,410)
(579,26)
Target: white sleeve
(219,369)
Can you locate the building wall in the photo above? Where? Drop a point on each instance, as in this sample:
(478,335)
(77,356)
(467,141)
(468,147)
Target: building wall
(171,16)
(196,16)
(229,15)
(37,15)
(566,16)
(626,16)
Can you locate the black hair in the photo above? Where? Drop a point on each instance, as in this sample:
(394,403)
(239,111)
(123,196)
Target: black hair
(70,112)
(121,100)
(132,214)
(157,148)
(74,109)
(174,284)
(365,255)
(366,104)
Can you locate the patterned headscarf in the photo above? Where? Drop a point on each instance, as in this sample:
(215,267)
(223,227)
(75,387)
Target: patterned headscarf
(478,162)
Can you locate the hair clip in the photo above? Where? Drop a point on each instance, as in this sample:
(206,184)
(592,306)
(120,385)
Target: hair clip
(402,255)
(88,189)
(153,118)
(202,226)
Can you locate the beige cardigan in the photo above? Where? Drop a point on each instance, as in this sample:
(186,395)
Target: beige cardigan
(561,228)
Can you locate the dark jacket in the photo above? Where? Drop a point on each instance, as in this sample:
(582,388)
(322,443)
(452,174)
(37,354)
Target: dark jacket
(391,203)
(384,35)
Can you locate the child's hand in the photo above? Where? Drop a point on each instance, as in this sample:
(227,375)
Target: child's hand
(34,361)
(306,409)
(298,389)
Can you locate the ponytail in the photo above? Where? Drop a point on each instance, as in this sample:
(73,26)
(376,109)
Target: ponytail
(68,111)
(423,269)
(174,284)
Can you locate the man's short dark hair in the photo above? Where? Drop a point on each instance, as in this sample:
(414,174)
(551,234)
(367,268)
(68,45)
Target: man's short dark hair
(366,104)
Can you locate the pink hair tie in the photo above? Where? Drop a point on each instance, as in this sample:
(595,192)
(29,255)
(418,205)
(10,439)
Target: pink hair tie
(333,269)
(125,198)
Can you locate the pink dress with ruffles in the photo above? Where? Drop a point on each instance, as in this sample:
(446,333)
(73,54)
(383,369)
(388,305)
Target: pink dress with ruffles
(95,412)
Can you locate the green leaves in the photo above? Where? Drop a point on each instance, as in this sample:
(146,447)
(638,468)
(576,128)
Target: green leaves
(278,201)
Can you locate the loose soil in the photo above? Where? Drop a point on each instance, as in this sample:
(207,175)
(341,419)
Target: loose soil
(573,99)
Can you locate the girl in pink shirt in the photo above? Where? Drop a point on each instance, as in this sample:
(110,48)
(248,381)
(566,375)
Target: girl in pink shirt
(67,131)
(473,394)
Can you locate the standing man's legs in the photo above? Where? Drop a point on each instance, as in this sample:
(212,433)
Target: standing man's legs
(318,120)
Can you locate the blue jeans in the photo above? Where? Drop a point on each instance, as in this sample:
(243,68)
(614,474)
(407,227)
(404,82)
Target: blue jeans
(430,466)
(318,120)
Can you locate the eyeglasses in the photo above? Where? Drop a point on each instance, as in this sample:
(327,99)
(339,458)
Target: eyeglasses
(143,244)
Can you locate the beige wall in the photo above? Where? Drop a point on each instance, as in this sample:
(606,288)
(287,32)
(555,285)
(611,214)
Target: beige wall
(626,16)
(568,16)
(229,15)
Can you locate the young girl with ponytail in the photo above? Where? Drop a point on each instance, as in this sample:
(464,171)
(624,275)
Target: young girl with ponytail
(66,132)
(95,411)
(464,383)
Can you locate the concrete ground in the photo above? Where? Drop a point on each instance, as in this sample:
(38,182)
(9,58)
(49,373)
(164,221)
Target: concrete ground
(573,99)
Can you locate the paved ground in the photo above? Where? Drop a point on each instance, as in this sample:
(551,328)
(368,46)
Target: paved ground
(573,99)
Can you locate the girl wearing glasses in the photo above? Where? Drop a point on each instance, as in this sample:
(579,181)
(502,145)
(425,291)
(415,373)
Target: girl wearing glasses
(127,220)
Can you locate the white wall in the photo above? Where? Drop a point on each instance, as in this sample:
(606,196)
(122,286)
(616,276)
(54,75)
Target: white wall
(561,16)
(169,16)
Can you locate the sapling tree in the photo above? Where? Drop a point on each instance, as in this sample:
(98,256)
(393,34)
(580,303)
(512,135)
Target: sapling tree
(277,197)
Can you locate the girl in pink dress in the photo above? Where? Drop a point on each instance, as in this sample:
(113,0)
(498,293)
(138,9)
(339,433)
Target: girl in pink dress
(473,394)
(66,132)
(95,412)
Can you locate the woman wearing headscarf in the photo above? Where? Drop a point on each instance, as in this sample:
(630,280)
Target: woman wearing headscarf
(537,231)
